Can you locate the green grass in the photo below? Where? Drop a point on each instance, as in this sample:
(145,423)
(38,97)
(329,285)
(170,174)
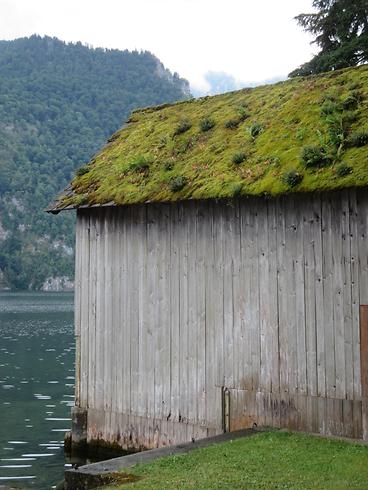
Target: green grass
(278,122)
(272,460)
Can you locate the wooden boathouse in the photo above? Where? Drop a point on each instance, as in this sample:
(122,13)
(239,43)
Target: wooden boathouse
(222,267)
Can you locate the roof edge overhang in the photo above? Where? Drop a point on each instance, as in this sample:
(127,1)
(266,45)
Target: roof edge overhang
(111,204)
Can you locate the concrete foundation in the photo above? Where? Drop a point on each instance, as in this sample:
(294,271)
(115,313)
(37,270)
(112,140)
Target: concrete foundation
(78,441)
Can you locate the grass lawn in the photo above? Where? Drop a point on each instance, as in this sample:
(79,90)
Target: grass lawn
(271,460)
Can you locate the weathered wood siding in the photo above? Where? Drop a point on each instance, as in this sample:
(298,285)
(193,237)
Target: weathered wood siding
(174,302)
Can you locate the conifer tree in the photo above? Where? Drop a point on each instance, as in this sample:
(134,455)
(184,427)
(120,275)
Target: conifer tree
(340,28)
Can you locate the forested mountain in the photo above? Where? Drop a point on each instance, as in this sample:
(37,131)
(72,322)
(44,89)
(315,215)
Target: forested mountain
(58,104)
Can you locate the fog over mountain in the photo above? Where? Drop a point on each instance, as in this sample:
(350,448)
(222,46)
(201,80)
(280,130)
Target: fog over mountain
(220,82)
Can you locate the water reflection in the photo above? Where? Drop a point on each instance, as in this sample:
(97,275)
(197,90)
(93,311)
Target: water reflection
(36,387)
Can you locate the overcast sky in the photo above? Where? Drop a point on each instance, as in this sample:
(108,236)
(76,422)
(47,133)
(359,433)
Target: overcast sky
(252,40)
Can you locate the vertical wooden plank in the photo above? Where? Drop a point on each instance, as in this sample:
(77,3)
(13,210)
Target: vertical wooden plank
(228,271)
(83,304)
(192,333)
(108,307)
(165,308)
(364,366)
(117,313)
(300,326)
(175,313)
(328,307)
(338,295)
(146,394)
(154,320)
(273,298)
(120,280)
(184,309)
(210,335)
(92,312)
(328,311)
(310,229)
(288,303)
(218,308)
(274,412)
(117,360)
(134,241)
(358,257)
(347,304)
(245,286)
(319,298)
(218,293)
(79,246)
(347,419)
(200,274)
(145,368)
(100,310)
(124,323)
(291,224)
(357,419)
(77,310)
(319,409)
(361,207)
(255,300)
(282,304)
(264,301)
(238,299)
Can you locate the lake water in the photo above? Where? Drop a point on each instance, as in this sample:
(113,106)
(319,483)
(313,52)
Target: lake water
(36,387)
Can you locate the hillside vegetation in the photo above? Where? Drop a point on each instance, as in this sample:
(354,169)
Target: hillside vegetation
(58,104)
(302,135)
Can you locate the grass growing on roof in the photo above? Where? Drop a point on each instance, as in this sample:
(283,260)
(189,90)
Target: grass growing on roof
(267,124)
(272,460)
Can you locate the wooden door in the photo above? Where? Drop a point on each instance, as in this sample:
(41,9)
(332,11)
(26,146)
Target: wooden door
(364,366)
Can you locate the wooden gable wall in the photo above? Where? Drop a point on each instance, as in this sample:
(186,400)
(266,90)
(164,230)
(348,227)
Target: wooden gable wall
(177,302)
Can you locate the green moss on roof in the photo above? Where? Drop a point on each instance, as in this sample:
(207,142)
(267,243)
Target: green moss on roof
(143,161)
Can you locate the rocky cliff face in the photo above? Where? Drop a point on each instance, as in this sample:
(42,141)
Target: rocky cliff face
(58,284)
(3,233)
(3,284)
(3,236)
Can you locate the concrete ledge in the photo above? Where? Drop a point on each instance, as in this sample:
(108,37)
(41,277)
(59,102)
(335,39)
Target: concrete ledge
(96,474)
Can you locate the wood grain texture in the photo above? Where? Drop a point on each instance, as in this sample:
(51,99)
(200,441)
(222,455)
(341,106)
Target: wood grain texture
(174,302)
(364,365)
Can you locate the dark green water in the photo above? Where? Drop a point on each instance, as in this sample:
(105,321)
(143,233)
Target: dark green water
(36,387)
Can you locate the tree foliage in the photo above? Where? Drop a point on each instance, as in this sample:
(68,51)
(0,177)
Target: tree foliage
(58,104)
(340,28)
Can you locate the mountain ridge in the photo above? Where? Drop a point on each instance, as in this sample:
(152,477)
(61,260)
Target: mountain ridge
(59,102)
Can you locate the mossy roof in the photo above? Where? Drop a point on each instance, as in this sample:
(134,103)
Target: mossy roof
(171,152)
